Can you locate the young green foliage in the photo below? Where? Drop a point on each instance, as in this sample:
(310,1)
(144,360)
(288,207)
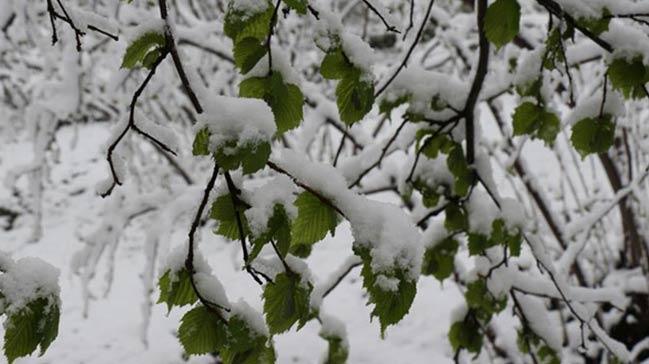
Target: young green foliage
(354,94)
(555,54)
(502,21)
(535,121)
(337,351)
(247,52)
(298,5)
(456,219)
(278,230)
(201,143)
(593,135)
(35,325)
(482,303)
(629,77)
(244,345)
(529,342)
(463,175)
(390,305)
(202,331)
(500,235)
(223,211)
(286,301)
(230,155)
(239,25)
(596,25)
(144,50)
(314,220)
(176,289)
(466,334)
(285,99)
(439,261)
(251,156)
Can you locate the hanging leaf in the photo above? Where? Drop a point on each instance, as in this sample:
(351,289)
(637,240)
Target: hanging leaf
(502,21)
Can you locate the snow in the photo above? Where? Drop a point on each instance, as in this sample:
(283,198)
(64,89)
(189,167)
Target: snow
(387,284)
(536,314)
(149,25)
(360,54)
(382,227)
(281,64)
(279,190)
(26,280)
(529,67)
(249,7)
(333,327)
(482,212)
(434,234)
(629,40)
(423,86)
(110,250)
(252,317)
(247,121)
(211,289)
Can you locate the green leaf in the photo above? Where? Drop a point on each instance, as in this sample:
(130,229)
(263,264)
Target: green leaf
(223,211)
(337,352)
(439,261)
(478,243)
(354,97)
(629,77)
(239,25)
(596,25)
(36,324)
(251,156)
(314,220)
(386,106)
(138,49)
(254,87)
(245,345)
(429,195)
(459,167)
(176,292)
(286,301)
(335,65)
(466,335)
(482,302)
(285,100)
(555,52)
(297,5)
(390,306)
(201,143)
(500,235)
(456,219)
(439,143)
(502,21)
(534,120)
(278,230)
(151,57)
(593,135)
(247,52)
(202,331)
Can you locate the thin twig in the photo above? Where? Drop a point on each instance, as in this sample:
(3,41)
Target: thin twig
(383,153)
(234,196)
(388,27)
(410,50)
(171,47)
(189,261)
(131,124)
